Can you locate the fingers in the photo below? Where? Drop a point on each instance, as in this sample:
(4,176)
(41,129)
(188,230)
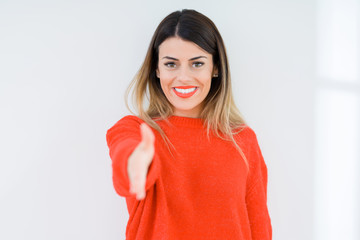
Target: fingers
(139,162)
(137,185)
(137,176)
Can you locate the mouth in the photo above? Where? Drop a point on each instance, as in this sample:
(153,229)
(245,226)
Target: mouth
(185,92)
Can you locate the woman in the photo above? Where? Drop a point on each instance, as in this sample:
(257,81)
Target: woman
(188,165)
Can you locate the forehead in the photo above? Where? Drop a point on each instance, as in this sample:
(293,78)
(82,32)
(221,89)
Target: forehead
(179,48)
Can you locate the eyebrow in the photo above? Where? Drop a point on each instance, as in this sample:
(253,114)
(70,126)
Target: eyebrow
(194,58)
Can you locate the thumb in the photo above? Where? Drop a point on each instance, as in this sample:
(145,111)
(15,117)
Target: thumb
(147,136)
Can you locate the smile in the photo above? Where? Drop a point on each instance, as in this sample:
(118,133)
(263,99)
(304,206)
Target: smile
(185,93)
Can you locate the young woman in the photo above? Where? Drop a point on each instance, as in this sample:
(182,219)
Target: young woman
(188,164)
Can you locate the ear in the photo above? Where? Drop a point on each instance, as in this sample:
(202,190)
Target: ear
(157,73)
(215,71)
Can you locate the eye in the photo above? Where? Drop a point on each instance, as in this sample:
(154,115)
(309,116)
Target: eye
(170,64)
(198,64)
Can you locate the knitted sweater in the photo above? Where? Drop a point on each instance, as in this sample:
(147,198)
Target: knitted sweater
(203,191)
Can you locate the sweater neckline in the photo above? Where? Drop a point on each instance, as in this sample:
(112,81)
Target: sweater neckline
(186,121)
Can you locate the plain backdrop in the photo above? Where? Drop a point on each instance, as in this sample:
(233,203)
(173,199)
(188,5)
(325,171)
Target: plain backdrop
(64,67)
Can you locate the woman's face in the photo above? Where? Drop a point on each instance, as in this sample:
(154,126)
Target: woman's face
(185,71)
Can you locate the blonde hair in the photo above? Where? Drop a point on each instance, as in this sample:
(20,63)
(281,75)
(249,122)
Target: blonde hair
(219,113)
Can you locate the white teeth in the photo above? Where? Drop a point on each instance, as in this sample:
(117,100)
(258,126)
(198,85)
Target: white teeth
(185,90)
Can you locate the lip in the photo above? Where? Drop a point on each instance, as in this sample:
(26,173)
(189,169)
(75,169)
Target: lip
(185,95)
(185,87)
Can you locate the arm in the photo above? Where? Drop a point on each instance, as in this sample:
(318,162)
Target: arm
(256,193)
(123,139)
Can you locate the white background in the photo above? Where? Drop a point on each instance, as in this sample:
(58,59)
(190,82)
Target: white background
(64,67)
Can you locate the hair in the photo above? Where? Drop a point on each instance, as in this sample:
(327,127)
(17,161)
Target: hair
(219,112)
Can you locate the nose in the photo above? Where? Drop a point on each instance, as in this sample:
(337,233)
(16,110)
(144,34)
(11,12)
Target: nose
(184,74)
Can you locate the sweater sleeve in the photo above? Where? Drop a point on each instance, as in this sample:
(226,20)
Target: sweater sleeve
(256,192)
(122,138)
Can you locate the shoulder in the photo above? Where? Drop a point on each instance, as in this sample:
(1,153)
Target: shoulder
(245,133)
(127,121)
(130,119)
(126,125)
(125,129)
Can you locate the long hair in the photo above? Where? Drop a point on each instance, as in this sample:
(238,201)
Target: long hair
(219,113)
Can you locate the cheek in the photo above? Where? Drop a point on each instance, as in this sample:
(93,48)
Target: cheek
(166,76)
(166,80)
(206,79)
(165,85)
(205,76)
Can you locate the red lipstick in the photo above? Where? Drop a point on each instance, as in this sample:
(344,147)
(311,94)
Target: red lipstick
(185,94)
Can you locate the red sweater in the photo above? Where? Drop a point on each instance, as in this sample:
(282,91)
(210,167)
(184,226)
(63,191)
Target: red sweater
(204,191)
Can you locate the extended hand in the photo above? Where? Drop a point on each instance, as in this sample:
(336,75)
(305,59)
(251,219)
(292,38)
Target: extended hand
(139,161)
